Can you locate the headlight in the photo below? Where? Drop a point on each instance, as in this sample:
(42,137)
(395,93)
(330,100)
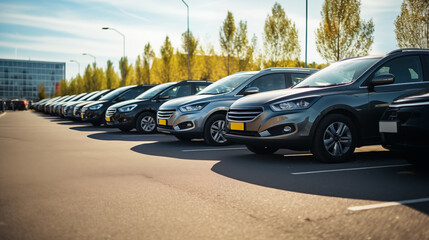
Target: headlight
(127,108)
(193,108)
(96,107)
(295,104)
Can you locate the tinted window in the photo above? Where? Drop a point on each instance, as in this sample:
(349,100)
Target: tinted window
(113,94)
(200,86)
(178,91)
(297,77)
(131,94)
(405,69)
(154,91)
(269,82)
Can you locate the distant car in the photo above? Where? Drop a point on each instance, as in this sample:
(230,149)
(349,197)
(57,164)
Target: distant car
(94,112)
(404,127)
(69,106)
(332,111)
(95,97)
(20,104)
(203,115)
(140,113)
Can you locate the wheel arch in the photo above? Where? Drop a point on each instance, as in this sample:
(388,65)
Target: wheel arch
(343,110)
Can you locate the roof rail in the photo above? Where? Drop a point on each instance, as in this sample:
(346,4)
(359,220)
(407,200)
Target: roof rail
(287,68)
(407,50)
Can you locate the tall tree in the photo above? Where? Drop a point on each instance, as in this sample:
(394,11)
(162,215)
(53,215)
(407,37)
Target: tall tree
(42,92)
(412,25)
(127,72)
(193,45)
(112,79)
(167,53)
(280,37)
(342,33)
(148,56)
(139,70)
(87,79)
(226,35)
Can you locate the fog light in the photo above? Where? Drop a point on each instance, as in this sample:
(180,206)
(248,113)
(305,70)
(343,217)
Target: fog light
(185,125)
(287,129)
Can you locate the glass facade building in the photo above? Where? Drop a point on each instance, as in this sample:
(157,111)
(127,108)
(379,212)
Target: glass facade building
(21,78)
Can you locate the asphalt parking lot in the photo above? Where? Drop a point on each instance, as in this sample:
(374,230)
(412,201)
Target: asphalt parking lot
(67,180)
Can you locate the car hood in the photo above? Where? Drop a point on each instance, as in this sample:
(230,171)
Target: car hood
(94,103)
(128,102)
(194,99)
(273,96)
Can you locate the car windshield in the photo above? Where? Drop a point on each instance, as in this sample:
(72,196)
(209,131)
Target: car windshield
(338,73)
(226,84)
(154,91)
(93,97)
(111,95)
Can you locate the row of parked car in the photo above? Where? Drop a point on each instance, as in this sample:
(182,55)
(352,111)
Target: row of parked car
(329,112)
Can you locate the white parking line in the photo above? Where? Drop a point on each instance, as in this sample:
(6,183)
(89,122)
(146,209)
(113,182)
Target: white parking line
(388,204)
(212,149)
(350,169)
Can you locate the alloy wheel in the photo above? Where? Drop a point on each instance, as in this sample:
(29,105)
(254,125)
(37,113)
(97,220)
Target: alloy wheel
(337,139)
(217,131)
(148,123)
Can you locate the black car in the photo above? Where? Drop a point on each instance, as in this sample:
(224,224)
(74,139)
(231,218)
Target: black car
(404,127)
(332,111)
(140,113)
(94,112)
(77,109)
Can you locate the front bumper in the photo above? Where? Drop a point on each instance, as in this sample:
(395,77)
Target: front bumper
(182,124)
(289,130)
(95,116)
(118,119)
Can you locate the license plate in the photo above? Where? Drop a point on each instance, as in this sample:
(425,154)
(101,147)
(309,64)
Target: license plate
(107,119)
(237,126)
(162,121)
(81,115)
(388,127)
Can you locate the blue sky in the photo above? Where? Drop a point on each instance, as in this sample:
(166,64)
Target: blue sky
(62,30)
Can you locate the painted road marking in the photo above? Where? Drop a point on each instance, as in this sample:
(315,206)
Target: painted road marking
(350,169)
(388,204)
(211,149)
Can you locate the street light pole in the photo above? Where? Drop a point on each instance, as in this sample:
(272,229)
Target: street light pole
(78,65)
(306,23)
(188,37)
(123,61)
(95,59)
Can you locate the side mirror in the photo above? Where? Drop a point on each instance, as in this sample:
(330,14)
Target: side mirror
(383,79)
(165,97)
(250,90)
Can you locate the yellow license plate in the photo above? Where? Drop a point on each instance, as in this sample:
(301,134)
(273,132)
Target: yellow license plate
(81,115)
(162,121)
(107,119)
(237,126)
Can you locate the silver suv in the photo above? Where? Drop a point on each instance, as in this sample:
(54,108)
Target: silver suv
(203,115)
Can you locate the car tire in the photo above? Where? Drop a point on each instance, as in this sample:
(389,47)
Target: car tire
(335,139)
(263,150)
(214,130)
(146,123)
(125,129)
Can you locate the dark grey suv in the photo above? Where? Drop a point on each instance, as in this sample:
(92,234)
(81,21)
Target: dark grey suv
(334,110)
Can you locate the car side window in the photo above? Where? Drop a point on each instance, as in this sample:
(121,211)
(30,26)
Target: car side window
(200,86)
(178,91)
(131,94)
(405,69)
(297,77)
(269,82)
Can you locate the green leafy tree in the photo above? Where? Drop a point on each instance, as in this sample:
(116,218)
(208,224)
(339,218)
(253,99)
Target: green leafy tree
(148,57)
(167,53)
(342,33)
(193,45)
(139,69)
(226,35)
(127,72)
(112,79)
(412,24)
(280,37)
(42,92)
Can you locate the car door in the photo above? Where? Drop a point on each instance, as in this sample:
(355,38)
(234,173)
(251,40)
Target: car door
(409,80)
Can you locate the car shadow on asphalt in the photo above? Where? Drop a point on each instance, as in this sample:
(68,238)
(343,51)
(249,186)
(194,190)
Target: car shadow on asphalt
(114,134)
(279,171)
